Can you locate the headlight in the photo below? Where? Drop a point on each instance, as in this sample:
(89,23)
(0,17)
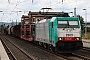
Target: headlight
(77,38)
(60,38)
(68,30)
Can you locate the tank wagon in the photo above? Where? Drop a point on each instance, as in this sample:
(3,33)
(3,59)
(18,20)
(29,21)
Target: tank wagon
(16,31)
(59,34)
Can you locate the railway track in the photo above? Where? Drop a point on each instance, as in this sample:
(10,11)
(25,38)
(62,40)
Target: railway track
(13,51)
(84,53)
(81,57)
(86,48)
(72,56)
(69,56)
(10,54)
(50,52)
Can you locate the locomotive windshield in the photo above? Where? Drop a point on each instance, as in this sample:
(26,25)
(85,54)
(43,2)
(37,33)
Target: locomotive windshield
(68,24)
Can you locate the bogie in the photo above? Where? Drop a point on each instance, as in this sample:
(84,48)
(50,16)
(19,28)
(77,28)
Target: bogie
(45,45)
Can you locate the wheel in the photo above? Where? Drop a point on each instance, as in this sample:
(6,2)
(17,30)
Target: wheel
(40,43)
(36,42)
(44,45)
(51,48)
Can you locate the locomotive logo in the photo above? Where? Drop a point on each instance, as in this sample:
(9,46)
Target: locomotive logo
(69,34)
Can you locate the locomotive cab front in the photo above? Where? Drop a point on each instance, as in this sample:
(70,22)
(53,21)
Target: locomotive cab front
(69,34)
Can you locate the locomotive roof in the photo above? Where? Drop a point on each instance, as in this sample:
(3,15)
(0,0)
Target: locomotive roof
(64,18)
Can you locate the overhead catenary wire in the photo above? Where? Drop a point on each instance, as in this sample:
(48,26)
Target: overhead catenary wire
(2,16)
(32,2)
(31,6)
(56,3)
(18,3)
(9,1)
(15,6)
(13,9)
(6,8)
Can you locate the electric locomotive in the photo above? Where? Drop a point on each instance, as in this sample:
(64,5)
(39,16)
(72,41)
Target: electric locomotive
(61,34)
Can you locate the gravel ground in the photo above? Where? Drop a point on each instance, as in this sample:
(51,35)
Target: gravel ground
(36,53)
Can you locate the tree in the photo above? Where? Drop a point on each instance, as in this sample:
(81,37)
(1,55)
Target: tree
(82,22)
(19,23)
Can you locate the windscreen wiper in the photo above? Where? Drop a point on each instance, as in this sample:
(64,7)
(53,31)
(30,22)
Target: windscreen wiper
(68,26)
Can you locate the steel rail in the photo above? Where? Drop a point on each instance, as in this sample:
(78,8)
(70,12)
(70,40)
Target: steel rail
(10,54)
(20,49)
(82,57)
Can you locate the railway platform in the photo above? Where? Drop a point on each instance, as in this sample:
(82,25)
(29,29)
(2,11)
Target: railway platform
(86,40)
(86,43)
(3,54)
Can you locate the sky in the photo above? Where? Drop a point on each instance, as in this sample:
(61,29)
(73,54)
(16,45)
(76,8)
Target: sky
(10,9)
